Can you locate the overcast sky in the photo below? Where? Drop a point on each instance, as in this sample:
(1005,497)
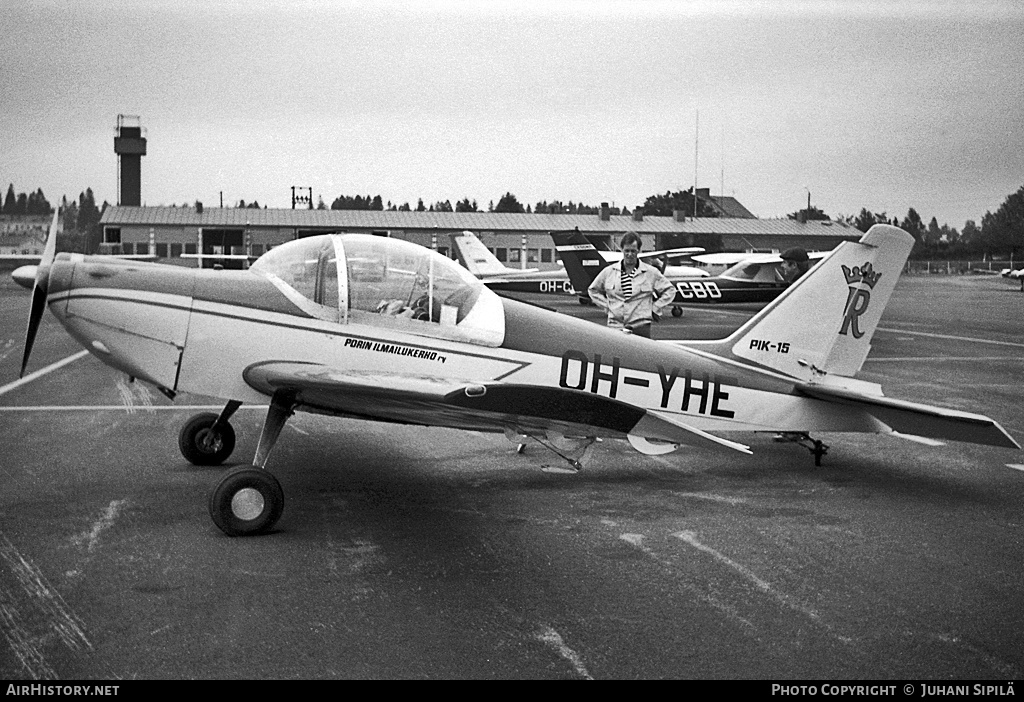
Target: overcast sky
(880,105)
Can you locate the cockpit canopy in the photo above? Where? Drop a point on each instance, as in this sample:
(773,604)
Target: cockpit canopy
(384,282)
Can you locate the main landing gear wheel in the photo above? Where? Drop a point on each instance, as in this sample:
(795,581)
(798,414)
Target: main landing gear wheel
(248,500)
(201,445)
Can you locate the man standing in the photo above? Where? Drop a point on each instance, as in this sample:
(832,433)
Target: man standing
(633,293)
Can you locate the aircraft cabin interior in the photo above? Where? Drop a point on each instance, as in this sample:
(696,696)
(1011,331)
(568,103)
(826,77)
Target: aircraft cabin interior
(384,282)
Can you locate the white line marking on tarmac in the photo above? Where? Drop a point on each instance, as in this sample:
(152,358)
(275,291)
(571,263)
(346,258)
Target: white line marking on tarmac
(901,359)
(711,496)
(41,372)
(637,542)
(119,408)
(553,639)
(690,537)
(955,338)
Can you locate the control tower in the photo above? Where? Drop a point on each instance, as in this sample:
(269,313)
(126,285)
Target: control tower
(130,147)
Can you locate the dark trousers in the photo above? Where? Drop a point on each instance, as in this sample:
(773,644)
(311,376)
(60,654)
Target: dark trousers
(643,330)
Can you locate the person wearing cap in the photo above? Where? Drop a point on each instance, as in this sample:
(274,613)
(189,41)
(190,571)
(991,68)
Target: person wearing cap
(794,264)
(633,293)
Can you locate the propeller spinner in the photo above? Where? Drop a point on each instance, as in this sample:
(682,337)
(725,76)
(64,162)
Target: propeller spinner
(39,288)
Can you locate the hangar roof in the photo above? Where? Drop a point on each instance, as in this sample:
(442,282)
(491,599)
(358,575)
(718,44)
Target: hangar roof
(475,221)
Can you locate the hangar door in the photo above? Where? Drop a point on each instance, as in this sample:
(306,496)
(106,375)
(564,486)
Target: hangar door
(220,242)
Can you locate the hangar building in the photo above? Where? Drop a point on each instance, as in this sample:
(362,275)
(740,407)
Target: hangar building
(520,240)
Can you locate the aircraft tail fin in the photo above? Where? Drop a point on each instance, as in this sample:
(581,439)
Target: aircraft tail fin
(476,257)
(581,259)
(824,323)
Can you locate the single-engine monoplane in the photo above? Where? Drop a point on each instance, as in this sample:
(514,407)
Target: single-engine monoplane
(382,329)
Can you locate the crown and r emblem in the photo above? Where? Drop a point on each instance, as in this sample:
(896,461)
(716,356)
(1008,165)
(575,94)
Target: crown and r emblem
(859,298)
(862,274)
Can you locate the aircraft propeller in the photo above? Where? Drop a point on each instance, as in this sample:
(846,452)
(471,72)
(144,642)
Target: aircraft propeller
(39,289)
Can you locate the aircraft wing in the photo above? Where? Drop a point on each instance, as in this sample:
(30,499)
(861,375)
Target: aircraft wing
(917,419)
(671,253)
(226,257)
(480,406)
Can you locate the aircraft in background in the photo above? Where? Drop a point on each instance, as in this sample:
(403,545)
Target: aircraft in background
(755,278)
(671,262)
(479,261)
(1014,275)
(422,341)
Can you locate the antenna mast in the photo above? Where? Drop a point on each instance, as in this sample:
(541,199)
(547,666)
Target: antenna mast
(696,148)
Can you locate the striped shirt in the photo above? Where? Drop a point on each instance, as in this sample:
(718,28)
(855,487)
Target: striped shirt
(626,282)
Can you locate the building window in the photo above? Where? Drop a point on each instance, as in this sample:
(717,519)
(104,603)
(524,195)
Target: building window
(515,255)
(545,255)
(531,255)
(175,250)
(256,250)
(161,250)
(112,235)
(191,248)
(501,254)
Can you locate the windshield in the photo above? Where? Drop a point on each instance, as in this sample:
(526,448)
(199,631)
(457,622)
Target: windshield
(385,282)
(754,271)
(306,271)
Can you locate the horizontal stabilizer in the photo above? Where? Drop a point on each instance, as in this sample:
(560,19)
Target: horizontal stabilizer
(917,419)
(662,426)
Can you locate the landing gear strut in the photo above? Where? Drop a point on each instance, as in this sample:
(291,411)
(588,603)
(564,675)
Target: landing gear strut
(249,499)
(575,450)
(817,448)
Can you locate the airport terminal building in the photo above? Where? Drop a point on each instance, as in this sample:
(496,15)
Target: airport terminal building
(519,240)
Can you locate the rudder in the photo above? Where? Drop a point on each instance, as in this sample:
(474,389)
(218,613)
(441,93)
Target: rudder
(825,322)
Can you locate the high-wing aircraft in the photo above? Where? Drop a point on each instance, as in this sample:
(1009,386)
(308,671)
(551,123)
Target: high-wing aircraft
(479,260)
(753,278)
(668,261)
(383,329)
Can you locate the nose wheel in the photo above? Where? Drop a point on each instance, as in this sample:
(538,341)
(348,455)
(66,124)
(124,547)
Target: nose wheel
(206,440)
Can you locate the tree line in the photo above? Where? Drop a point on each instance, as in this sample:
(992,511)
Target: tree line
(1000,233)
(655,205)
(82,231)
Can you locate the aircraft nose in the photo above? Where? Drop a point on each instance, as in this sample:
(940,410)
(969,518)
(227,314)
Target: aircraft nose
(61,274)
(134,316)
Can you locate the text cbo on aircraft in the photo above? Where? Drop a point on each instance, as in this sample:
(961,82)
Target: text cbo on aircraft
(382,329)
(479,260)
(753,278)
